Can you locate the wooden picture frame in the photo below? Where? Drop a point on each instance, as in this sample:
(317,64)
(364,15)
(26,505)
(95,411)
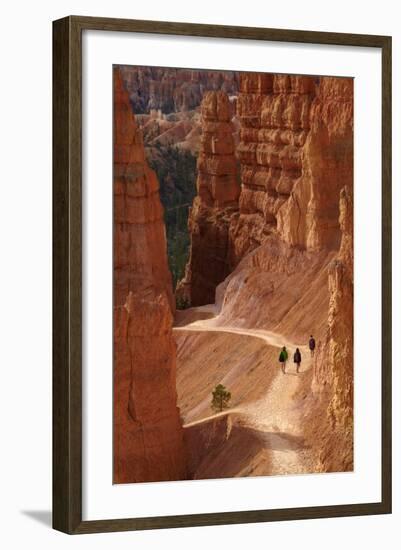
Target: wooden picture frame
(67,274)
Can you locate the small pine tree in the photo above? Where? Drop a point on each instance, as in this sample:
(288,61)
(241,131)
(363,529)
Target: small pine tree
(220,398)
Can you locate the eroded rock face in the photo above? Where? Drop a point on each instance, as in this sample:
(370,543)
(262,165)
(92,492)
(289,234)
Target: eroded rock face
(310,217)
(173,90)
(296,153)
(334,361)
(340,322)
(148,437)
(214,205)
(274,113)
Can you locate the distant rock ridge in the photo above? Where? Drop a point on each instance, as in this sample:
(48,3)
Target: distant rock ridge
(171,90)
(148,435)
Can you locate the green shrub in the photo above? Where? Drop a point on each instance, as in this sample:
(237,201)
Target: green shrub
(220,398)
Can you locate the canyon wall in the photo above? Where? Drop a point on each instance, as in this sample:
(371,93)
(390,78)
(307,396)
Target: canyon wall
(310,216)
(172,90)
(214,205)
(294,156)
(274,112)
(333,366)
(148,436)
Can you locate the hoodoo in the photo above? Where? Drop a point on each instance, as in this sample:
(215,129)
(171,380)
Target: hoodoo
(215,203)
(148,436)
(333,380)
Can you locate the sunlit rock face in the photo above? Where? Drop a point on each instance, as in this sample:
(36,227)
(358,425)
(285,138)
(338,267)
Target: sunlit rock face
(310,217)
(148,437)
(295,153)
(333,372)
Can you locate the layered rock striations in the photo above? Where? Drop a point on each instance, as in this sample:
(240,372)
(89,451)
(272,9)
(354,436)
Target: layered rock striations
(215,203)
(274,115)
(294,154)
(310,217)
(148,437)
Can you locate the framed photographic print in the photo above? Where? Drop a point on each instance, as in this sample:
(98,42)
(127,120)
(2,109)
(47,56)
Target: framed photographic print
(222,275)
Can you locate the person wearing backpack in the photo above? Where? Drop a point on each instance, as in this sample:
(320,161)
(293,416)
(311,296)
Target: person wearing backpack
(297,358)
(283,358)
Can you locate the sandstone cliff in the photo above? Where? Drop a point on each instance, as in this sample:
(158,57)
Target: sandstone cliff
(296,154)
(310,217)
(214,205)
(333,368)
(148,437)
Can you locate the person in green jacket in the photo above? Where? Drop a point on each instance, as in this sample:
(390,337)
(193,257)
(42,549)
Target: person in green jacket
(283,358)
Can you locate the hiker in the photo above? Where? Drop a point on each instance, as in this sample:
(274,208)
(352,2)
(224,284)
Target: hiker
(297,358)
(283,358)
(312,345)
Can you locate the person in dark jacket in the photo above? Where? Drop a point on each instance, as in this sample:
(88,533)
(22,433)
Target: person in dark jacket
(297,358)
(283,358)
(312,345)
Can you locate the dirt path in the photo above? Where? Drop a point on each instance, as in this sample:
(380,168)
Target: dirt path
(276,418)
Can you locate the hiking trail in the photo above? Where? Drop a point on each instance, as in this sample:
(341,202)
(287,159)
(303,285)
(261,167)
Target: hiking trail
(275,418)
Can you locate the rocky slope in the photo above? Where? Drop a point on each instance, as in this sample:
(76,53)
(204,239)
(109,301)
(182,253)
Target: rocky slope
(148,436)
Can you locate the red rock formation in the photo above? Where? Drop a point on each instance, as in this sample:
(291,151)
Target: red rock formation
(340,321)
(173,90)
(310,217)
(333,373)
(214,205)
(274,115)
(296,153)
(148,437)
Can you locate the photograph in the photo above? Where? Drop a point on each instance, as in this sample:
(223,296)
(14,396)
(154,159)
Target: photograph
(232,274)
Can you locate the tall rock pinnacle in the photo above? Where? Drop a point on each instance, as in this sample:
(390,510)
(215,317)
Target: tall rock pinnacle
(148,435)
